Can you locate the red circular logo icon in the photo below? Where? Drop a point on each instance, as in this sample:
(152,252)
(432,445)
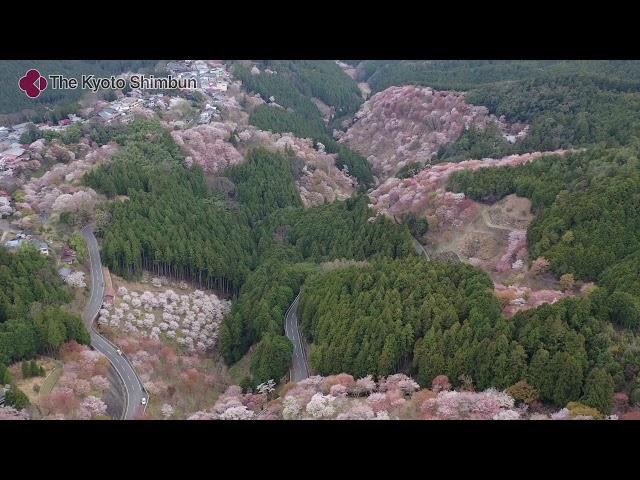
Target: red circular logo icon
(32,83)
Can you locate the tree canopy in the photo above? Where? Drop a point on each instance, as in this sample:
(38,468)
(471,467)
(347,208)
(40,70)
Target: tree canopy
(32,294)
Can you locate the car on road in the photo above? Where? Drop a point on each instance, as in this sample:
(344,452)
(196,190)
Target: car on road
(143,401)
(119,352)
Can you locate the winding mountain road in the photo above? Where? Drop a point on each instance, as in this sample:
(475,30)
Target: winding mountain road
(300,366)
(133,388)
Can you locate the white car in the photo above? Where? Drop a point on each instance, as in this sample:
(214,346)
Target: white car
(119,352)
(143,401)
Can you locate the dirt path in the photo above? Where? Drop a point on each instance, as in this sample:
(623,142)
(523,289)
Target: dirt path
(487,221)
(480,225)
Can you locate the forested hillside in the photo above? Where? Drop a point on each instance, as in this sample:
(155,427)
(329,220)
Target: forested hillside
(369,305)
(261,245)
(264,184)
(31,296)
(348,229)
(289,242)
(261,305)
(364,320)
(292,86)
(587,203)
(170,224)
(567,110)
(469,74)
(430,318)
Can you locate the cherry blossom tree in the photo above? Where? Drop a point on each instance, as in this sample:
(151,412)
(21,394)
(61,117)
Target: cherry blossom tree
(358,411)
(208,146)
(82,200)
(167,410)
(82,387)
(440,383)
(363,386)
(94,406)
(75,279)
(291,407)
(60,401)
(321,406)
(507,415)
(468,405)
(203,415)
(237,413)
(540,266)
(10,413)
(100,382)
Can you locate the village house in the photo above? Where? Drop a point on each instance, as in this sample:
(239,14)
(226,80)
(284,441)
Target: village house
(107,113)
(40,245)
(220,86)
(68,255)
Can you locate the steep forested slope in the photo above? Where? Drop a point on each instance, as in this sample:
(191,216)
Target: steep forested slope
(567,110)
(588,222)
(31,295)
(469,74)
(170,224)
(289,242)
(587,202)
(348,230)
(431,318)
(264,184)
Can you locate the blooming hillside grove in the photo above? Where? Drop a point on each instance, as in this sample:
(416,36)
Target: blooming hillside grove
(318,178)
(408,124)
(396,397)
(192,320)
(416,193)
(208,146)
(78,393)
